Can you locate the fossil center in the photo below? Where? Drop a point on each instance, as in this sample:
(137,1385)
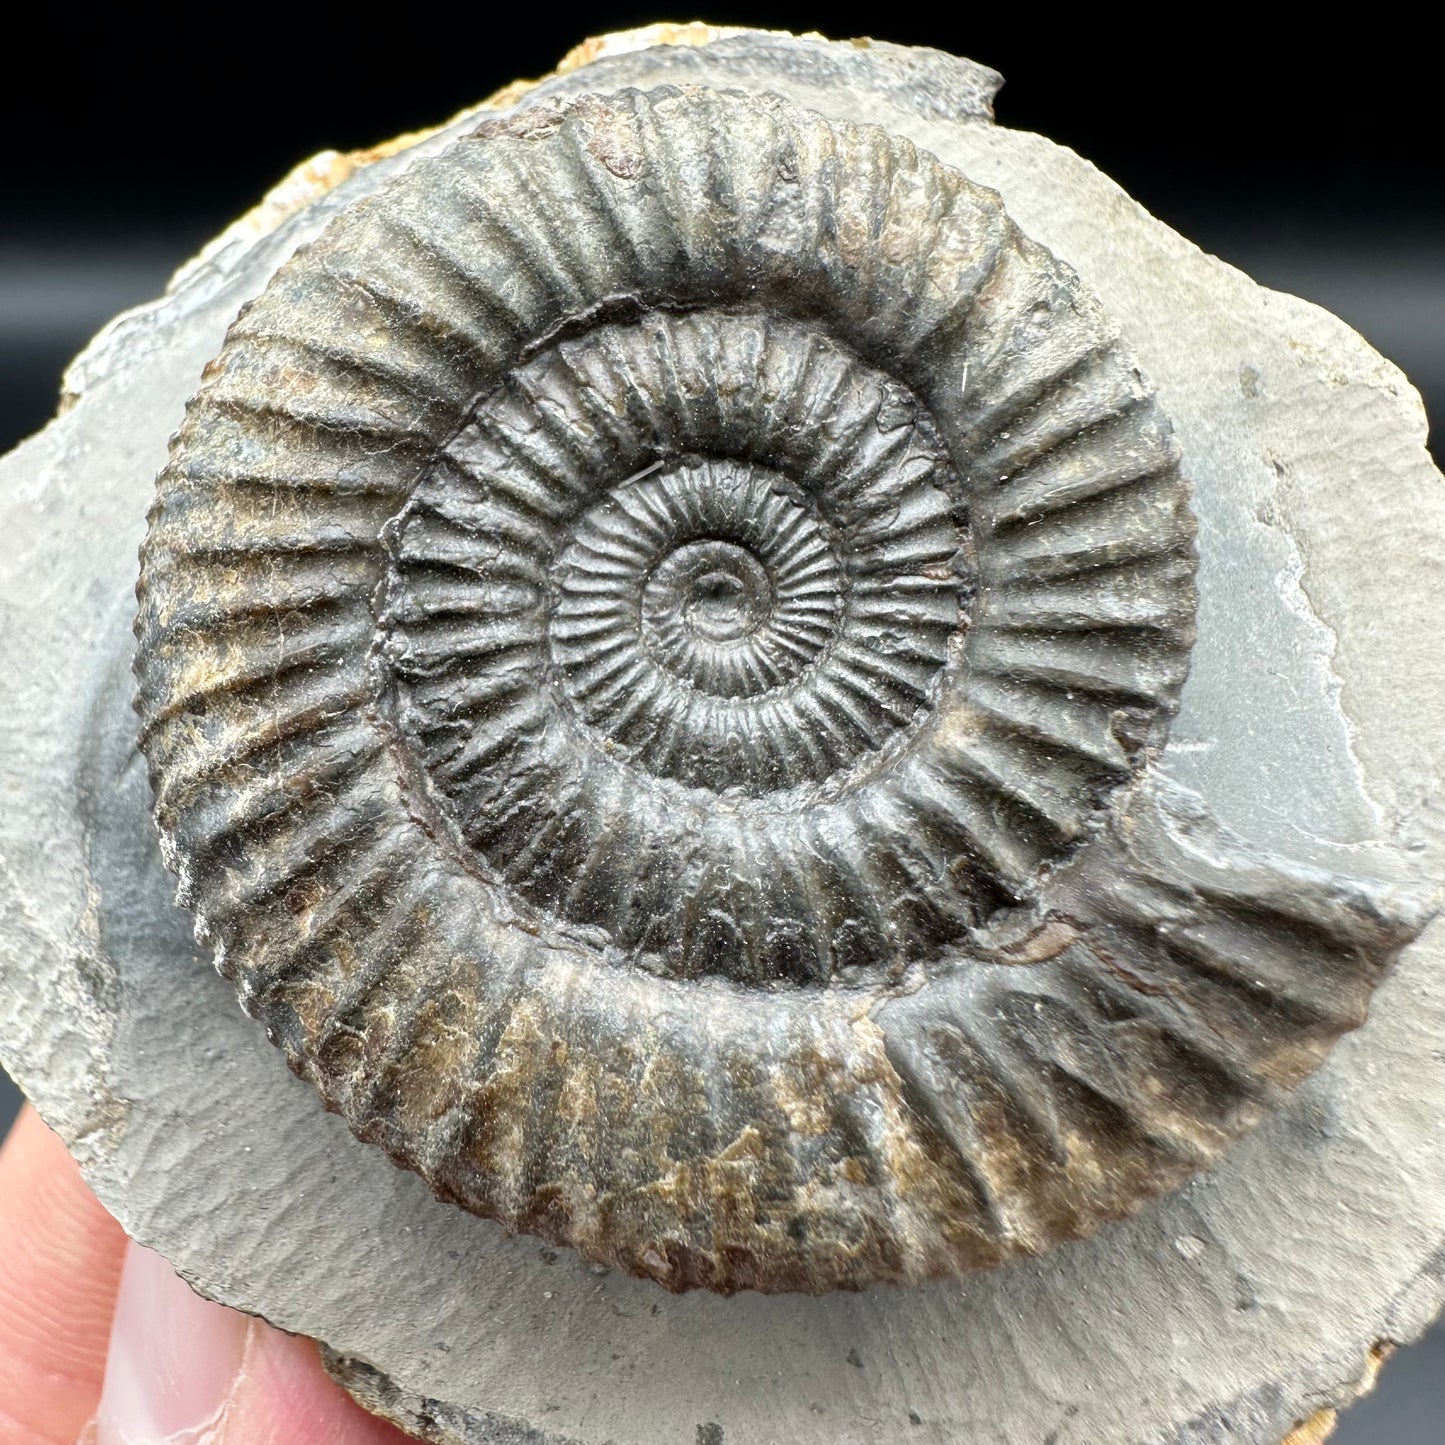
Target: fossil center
(716,591)
(712,579)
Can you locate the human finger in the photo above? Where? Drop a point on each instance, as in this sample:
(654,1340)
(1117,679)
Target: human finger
(60,1263)
(182,1369)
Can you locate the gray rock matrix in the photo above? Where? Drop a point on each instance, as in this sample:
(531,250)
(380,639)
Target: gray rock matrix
(1176,899)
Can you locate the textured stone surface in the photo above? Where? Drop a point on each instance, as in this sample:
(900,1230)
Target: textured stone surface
(615,702)
(1233,1310)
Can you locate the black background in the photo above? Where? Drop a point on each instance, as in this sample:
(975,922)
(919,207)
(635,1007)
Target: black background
(132,135)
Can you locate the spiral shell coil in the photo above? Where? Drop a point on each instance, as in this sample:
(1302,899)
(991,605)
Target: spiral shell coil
(655,634)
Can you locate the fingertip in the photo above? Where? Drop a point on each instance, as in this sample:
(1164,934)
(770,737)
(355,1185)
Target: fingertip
(288,1393)
(170,1353)
(59,1271)
(174,1359)
(182,1368)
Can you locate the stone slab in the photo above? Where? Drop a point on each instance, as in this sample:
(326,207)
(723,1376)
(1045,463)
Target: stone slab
(1234,1310)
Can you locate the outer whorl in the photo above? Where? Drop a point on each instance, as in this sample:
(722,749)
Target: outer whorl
(653,632)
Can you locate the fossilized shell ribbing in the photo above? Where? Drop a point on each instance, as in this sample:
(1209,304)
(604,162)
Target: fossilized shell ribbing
(640,632)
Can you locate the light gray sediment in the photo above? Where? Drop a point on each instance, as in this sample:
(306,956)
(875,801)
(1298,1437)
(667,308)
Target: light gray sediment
(1232,1310)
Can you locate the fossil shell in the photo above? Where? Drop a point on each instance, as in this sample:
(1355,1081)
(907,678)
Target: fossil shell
(654,635)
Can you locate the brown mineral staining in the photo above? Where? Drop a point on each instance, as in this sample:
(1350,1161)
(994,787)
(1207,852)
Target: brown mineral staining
(1321,1425)
(655,638)
(1314,1431)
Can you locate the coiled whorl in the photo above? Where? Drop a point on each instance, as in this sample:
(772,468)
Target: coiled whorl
(644,624)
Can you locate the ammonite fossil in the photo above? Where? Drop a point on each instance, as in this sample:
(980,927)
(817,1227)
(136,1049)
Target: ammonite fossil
(655,635)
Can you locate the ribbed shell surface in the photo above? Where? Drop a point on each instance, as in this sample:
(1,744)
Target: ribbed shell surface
(654,636)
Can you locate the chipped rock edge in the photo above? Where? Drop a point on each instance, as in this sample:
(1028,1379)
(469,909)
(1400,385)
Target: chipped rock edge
(74,960)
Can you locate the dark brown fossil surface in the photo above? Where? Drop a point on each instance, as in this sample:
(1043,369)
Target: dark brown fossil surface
(655,634)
